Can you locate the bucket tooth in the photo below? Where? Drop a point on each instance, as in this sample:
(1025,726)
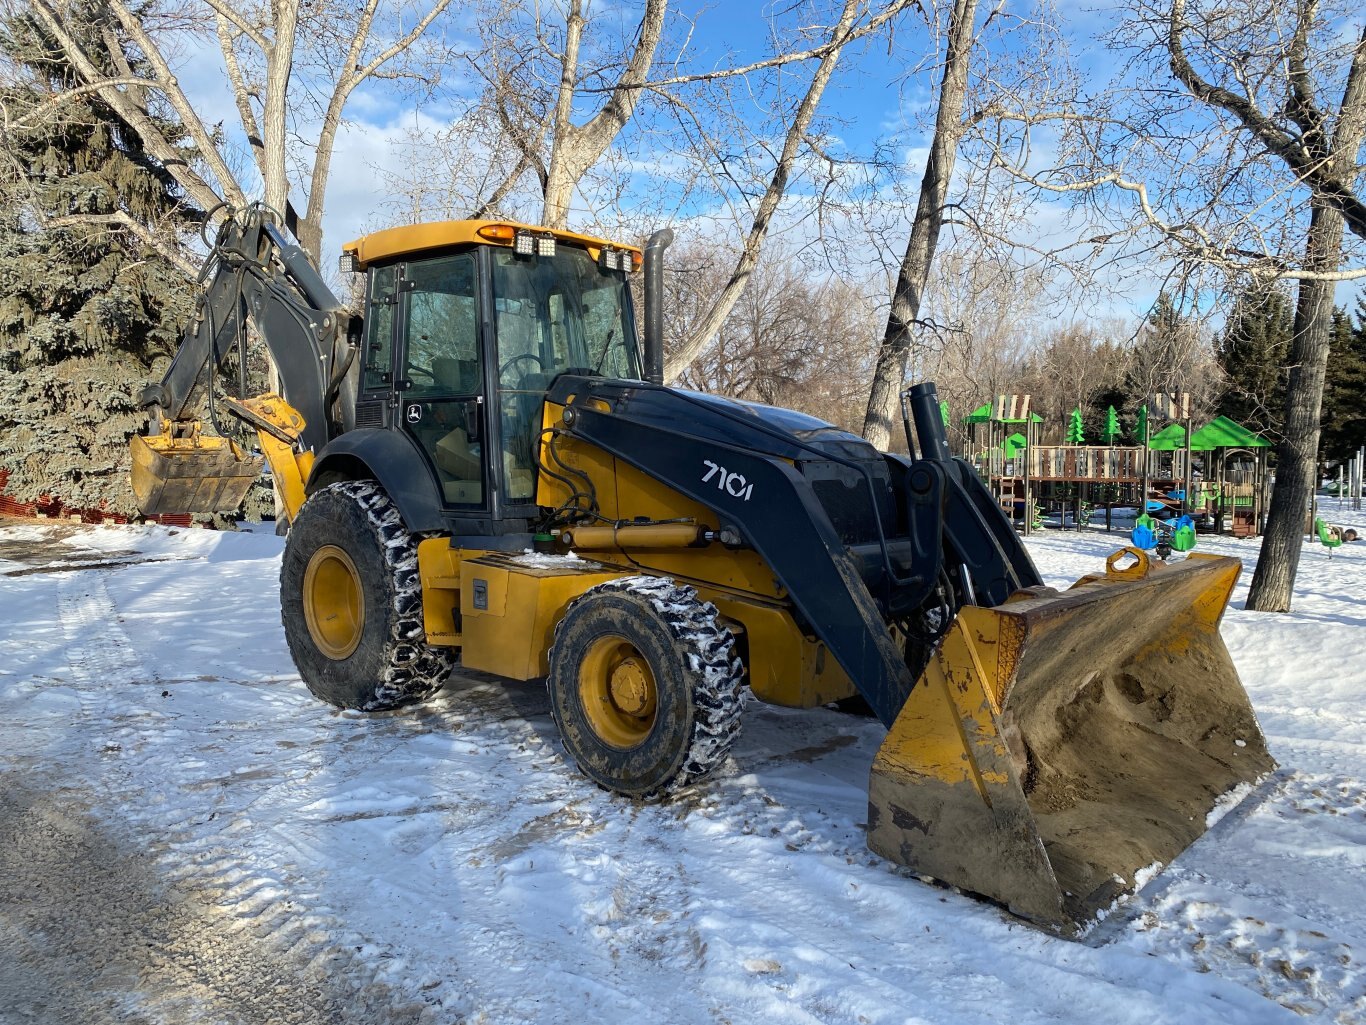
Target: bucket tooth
(1058,744)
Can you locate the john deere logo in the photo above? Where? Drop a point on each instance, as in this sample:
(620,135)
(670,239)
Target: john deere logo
(414,413)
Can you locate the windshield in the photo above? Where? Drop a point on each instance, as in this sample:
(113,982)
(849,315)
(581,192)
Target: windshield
(558,313)
(552,314)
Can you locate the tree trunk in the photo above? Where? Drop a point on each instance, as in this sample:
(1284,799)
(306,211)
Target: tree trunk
(275,113)
(559,193)
(1297,454)
(576,148)
(894,352)
(711,323)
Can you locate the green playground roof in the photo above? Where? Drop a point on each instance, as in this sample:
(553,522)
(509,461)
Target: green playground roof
(1221,432)
(982,415)
(1013,445)
(1170,438)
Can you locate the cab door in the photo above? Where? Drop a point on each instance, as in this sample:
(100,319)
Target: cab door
(439,380)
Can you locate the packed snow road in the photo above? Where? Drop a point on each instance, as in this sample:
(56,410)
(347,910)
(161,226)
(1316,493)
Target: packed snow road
(186,835)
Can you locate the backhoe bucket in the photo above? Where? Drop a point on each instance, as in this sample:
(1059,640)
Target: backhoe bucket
(1061,743)
(194,474)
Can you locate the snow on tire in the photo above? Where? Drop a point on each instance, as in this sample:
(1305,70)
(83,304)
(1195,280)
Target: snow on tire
(351,602)
(644,686)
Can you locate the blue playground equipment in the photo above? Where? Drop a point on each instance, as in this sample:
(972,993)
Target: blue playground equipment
(1176,535)
(1183,533)
(1144,534)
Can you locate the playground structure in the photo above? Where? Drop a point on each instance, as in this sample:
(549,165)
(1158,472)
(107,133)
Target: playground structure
(1217,474)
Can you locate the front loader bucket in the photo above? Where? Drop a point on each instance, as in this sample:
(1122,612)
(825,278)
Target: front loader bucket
(194,474)
(1060,743)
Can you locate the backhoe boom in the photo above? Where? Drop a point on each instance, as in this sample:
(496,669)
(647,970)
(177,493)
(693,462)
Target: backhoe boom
(254,275)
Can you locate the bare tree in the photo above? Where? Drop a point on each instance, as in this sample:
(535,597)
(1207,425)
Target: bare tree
(894,351)
(263,47)
(989,316)
(577,110)
(1069,366)
(1299,95)
(972,82)
(1258,179)
(793,339)
(855,22)
(564,88)
(1172,352)
(1320,146)
(542,65)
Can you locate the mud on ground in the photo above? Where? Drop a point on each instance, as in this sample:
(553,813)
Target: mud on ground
(90,934)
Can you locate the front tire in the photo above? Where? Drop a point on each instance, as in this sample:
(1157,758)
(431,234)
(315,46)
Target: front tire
(351,602)
(644,686)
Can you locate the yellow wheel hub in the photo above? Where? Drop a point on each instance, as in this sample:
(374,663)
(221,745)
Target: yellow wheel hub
(334,604)
(617,691)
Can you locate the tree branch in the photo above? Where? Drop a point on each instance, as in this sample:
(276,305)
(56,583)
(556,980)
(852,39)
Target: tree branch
(36,115)
(1308,167)
(240,94)
(894,9)
(1190,237)
(170,88)
(123,220)
(617,110)
(1351,120)
(1301,106)
(229,14)
(174,161)
(490,205)
(749,257)
(400,44)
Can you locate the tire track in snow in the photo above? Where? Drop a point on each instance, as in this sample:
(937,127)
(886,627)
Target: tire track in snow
(223,943)
(141,949)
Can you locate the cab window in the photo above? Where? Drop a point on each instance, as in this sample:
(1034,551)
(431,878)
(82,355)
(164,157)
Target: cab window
(552,314)
(377,368)
(442,352)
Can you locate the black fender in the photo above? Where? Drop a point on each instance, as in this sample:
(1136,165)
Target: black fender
(392,459)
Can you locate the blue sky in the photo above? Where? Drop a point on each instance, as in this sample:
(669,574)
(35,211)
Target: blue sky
(873,101)
(863,103)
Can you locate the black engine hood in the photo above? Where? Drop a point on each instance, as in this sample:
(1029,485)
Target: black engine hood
(736,422)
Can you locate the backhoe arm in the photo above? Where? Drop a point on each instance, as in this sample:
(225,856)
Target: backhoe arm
(253,275)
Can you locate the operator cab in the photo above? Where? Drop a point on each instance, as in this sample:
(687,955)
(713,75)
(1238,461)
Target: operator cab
(466,325)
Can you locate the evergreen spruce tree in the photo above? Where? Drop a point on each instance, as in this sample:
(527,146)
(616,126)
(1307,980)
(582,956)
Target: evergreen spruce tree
(88,311)
(1344,392)
(1103,403)
(1252,352)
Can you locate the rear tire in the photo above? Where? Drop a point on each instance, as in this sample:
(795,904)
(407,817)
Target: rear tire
(351,602)
(644,686)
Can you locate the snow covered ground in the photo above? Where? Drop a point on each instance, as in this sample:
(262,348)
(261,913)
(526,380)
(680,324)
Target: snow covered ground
(444,863)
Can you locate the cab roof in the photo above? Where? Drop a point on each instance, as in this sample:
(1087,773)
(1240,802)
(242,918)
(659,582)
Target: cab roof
(421,238)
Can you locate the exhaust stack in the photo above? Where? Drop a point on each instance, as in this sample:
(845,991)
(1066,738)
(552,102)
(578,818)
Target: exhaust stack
(654,304)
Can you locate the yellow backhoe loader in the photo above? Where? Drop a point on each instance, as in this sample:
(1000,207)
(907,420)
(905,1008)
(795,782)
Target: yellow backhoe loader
(486,465)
